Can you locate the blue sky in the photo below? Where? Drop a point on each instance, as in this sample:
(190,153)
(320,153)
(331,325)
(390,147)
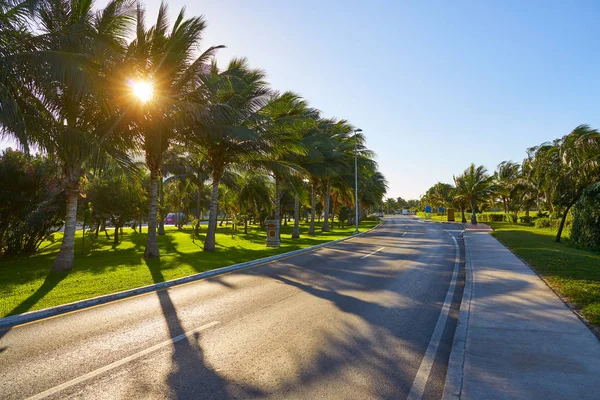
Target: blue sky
(435,85)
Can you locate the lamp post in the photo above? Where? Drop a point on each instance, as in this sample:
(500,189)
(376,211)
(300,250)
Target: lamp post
(356,183)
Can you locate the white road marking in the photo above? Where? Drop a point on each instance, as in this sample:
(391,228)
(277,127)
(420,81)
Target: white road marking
(120,362)
(370,254)
(418,386)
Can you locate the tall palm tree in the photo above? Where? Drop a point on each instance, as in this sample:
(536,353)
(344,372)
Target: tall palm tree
(283,115)
(475,184)
(67,106)
(228,131)
(166,58)
(506,182)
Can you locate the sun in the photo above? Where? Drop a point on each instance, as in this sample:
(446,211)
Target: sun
(143,90)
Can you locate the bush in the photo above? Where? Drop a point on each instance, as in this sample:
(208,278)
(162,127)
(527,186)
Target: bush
(542,222)
(586,219)
(496,217)
(31,201)
(541,214)
(511,218)
(526,219)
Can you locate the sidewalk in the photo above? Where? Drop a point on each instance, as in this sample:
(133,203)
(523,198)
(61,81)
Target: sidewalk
(515,338)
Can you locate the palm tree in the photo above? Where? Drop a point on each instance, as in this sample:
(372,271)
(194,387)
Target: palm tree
(460,199)
(283,115)
(165,57)
(228,131)
(475,184)
(579,155)
(506,182)
(67,105)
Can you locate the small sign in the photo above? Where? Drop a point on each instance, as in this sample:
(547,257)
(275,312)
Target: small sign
(272,233)
(428,209)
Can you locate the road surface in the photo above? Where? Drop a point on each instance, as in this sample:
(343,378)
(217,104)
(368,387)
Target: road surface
(369,318)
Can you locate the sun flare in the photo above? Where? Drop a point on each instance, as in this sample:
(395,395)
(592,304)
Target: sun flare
(143,91)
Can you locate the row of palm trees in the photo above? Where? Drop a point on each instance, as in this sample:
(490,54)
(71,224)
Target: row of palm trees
(552,178)
(68,75)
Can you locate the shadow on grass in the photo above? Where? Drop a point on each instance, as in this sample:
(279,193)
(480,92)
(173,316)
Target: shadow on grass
(51,281)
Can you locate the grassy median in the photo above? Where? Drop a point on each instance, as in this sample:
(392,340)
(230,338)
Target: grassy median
(26,285)
(572,272)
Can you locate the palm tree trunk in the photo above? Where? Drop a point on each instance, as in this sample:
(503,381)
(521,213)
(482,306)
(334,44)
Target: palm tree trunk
(210,241)
(562,223)
(198,196)
(296,231)
(473,213)
(313,204)
(246,225)
(464,218)
(326,202)
(278,206)
(116,239)
(151,250)
(161,223)
(66,256)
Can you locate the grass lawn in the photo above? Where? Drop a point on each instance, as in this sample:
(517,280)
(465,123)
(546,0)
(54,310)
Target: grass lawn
(26,285)
(573,272)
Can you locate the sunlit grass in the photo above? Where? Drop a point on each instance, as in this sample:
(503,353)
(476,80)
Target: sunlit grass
(26,285)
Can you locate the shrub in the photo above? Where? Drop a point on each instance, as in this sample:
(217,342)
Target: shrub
(542,222)
(526,219)
(31,201)
(586,218)
(541,214)
(511,218)
(496,217)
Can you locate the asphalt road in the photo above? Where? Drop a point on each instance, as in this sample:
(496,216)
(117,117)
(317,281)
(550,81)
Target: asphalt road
(363,319)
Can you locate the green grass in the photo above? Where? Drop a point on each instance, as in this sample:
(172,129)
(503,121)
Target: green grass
(26,285)
(572,272)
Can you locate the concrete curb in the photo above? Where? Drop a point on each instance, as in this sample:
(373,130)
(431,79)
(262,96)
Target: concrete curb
(13,320)
(454,375)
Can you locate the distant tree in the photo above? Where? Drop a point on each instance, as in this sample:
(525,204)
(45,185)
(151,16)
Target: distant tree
(116,197)
(475,185)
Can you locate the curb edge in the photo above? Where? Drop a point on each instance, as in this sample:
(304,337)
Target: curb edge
(453,385)
(19,319)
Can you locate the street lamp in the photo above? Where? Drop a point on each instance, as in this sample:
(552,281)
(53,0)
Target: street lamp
(356,182)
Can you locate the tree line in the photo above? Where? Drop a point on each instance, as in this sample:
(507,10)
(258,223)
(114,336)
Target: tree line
(128,112)
(557,178)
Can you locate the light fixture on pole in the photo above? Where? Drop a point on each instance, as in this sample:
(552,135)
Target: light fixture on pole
(356,182)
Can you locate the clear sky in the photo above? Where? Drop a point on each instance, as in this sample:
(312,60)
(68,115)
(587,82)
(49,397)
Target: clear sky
(435,85)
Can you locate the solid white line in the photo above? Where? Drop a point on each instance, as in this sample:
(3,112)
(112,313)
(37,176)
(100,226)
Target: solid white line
(118,363)
(418,386)
(372,253)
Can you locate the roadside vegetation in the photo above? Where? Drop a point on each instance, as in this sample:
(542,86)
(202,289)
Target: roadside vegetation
(545,209)
(123,123)
(26,285)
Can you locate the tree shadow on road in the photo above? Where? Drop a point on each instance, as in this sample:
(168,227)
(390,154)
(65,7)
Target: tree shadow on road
(190,376)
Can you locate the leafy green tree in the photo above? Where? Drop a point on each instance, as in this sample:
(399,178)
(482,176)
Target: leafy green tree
(116,197)
(31,202)
(586,218)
